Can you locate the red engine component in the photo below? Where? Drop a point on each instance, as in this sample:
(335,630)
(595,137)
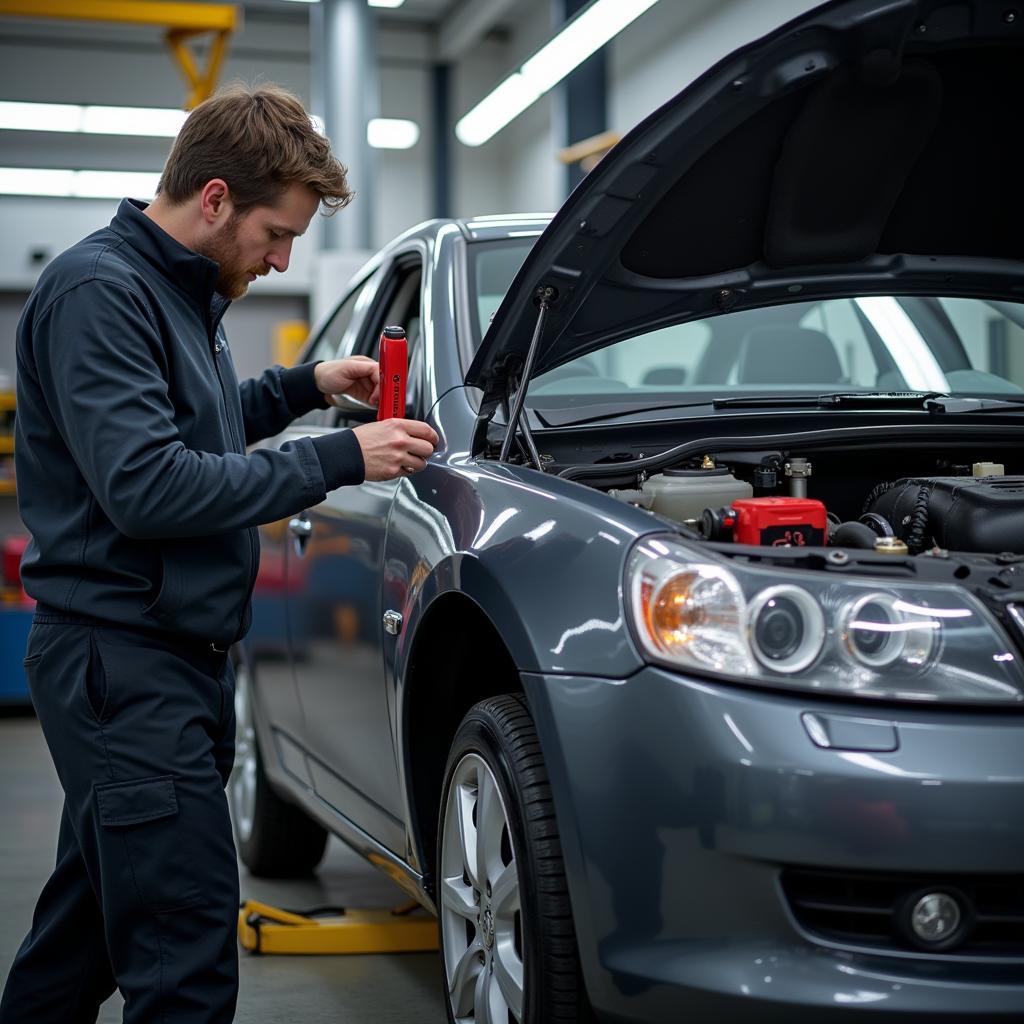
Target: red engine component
(769,522)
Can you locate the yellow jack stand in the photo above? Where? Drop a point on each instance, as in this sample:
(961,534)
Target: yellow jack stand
(266,929)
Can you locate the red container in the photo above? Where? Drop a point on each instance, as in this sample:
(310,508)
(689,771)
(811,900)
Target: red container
(780,522)
(394,366)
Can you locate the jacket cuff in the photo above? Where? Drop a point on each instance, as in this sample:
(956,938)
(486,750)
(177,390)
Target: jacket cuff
(300,391)
(341,458)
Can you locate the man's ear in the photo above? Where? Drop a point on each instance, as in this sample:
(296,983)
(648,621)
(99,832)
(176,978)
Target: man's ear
(215,202)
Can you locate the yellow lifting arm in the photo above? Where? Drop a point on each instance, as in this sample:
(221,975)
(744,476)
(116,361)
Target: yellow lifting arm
(182,21)
(266,929)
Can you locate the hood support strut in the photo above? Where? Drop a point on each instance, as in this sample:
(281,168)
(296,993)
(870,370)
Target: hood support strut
(546,294)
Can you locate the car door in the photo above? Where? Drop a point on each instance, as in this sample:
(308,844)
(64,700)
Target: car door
(272,634)
(336,615)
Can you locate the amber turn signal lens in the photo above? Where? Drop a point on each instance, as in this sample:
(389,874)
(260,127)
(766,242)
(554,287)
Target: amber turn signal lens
(674,614)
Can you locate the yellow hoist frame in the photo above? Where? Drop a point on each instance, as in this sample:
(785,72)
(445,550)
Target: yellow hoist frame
(181,20)
(266,929)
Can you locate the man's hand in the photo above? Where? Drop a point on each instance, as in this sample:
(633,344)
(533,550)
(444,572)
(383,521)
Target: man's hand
(357,376)
(395,447)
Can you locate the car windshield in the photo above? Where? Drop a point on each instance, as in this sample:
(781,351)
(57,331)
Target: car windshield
(878,343)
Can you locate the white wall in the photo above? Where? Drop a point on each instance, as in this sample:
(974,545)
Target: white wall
(674,42)
(517,169)
(477,172)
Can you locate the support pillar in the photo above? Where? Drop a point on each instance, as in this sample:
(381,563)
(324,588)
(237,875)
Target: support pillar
(345,94)
(585,98)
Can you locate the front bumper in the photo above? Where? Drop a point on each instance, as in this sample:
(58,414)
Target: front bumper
(680,802)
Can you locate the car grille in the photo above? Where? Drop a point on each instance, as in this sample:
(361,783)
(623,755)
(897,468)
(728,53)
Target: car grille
(868,909)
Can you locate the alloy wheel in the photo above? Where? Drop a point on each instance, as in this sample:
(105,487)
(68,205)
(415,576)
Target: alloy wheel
(481,919)
(242,783)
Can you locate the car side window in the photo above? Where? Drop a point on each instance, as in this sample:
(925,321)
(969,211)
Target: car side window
(328,344)
(400,305)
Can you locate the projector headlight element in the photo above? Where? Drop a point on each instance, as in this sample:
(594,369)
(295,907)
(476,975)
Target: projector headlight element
(876,631)
(786,628)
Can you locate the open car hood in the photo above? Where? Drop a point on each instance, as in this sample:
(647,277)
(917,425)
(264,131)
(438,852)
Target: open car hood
(868,147)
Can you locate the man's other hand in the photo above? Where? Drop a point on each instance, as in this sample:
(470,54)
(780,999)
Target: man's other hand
(395,447)
(357,376)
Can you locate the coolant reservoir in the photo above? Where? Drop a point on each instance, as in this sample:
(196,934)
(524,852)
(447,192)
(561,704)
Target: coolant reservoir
(685,493)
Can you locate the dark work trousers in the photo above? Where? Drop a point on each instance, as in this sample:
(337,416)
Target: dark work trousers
(144,896)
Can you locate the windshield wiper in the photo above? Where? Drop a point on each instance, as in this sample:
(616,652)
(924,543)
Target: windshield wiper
(946,403)
(869,399)
(551,417)
(932,401)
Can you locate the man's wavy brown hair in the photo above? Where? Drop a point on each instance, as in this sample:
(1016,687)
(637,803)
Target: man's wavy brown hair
(259,140)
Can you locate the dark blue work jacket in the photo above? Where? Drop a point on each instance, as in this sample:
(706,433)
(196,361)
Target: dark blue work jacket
(131,437)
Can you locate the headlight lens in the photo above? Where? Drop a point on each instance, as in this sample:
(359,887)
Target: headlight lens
(900,641)
(877,632)
(786,628)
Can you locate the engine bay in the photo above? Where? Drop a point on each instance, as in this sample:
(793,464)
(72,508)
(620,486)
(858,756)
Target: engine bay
(881,503)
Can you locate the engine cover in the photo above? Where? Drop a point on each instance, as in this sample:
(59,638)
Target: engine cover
(961,513)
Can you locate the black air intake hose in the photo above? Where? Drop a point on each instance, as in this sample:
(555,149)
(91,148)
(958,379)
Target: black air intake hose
(918,521)
(853,535)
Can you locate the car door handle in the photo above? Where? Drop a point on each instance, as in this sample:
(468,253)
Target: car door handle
(300,528)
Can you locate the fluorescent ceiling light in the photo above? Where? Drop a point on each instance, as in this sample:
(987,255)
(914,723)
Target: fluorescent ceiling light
(496,110)
(383,132)
(40,181)
(392,133)
(385,3)
(582,37)
(162,122)
(41,117)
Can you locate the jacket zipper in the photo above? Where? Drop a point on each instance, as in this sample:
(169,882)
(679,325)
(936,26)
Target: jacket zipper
(217,348)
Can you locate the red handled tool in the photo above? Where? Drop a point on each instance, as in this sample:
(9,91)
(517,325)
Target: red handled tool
(394,367)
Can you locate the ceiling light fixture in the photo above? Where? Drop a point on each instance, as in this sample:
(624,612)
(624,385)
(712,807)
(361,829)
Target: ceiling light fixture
(45,181)
(583,36)
(392,133)
(385,3)
(161,122)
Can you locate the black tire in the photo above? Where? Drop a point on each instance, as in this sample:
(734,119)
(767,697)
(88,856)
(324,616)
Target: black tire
(275,839)
(500,732)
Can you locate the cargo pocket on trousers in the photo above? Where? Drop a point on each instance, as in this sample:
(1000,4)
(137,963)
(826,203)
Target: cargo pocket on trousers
(142,814)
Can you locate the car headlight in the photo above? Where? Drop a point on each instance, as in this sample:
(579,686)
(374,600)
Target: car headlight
(857,637)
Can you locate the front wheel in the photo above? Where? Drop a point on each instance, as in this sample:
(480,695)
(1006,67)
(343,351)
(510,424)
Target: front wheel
(508,945)
(275,839)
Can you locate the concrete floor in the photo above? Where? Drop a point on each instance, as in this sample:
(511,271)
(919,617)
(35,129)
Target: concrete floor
(399,989)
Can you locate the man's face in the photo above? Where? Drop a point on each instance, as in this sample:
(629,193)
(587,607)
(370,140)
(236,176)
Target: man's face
(251,244)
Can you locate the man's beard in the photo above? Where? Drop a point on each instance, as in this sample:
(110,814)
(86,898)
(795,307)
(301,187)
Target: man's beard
(224,250)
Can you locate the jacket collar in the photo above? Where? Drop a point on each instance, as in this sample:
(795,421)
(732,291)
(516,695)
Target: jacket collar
(188,270)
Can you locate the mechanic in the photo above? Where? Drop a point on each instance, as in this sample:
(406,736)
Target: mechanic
(142,503)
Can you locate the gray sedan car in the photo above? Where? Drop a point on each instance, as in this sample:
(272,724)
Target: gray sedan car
(685,683)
